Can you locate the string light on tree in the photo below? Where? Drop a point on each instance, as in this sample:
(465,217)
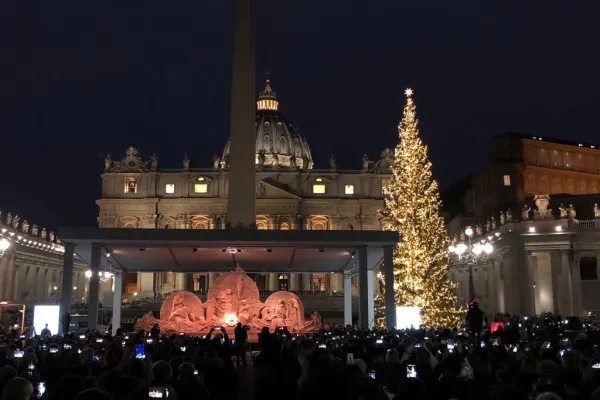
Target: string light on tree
(421,258)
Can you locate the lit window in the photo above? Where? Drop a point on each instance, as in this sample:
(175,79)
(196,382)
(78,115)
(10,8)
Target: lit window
(319,188)
(506,180)
(170,188)
(201,188)
(349,189)
(130,185)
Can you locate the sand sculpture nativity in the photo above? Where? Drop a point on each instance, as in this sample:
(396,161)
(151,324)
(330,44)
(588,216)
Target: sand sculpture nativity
(233,297)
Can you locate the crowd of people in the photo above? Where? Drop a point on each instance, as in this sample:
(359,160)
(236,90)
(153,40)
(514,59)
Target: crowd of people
(543,357)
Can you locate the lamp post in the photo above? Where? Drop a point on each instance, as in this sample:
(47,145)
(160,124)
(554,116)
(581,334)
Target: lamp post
(472,252)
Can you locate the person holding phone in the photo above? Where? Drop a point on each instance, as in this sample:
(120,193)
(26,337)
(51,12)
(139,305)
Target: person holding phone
(241,338)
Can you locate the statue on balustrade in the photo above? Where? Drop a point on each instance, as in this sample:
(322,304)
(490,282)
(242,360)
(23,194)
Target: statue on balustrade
(15,221)
(571,213)
(502,218)
(542,201)
(493,223)
(488,226)
(44,234)
(51,236)
(25,227)
(596,211)
(9,219)
(216,160)
(563,211)
(34,230)
(509,216)
(525,212)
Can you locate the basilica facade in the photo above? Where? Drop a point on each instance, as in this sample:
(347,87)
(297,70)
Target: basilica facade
(291,193)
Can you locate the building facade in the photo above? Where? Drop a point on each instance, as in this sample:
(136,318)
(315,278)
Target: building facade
(537,203)
(290,194)
(31,266)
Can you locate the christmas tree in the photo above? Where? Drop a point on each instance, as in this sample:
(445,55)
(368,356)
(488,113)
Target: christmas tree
(421,258)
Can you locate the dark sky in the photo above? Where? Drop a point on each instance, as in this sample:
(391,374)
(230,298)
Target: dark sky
(79,80)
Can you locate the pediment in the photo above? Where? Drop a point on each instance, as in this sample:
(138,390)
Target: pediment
(270,189)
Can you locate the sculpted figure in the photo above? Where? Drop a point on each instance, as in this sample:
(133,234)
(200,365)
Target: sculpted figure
(488,226)
(181,317)
(146,322)
(9,219)
(571,212)
(293,319)
(502,218)
(244,313)
(525,212)
(223,305)
(314,323)
(34,230)
(216,161)
(305,162)
(225,162)
(493,223)
(153,162)
(25,227)
(478,230)
(186,162)
(596,211)
(365,163)
(563,210)
(44,234)
(51,236)
(261,158)
(107,162)
(15,221)
(509,216)
(332,162)
(275,160)
(293,161)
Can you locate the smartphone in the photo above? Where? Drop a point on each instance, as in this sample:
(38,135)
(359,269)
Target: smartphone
(18,353)
(44,347)
(411,371)
(217,328)
(322,346)
(482,343)
(157,392)
(96,358)
(53,350)
(450,346)
(233,341)
(41,389)
(372,374)
(81,337)
(99,340)
(30,368)
(140,351)
(182,348)
(67,346)
(418,345)
(562,353)
(379,341)
(123,343)
(195,372)
(596,366)
(181,334)
(149,341)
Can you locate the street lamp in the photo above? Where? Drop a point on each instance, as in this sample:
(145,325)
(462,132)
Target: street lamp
(471,253)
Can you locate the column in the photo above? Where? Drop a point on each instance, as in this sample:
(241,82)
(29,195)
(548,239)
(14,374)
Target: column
(347,299)
(293,281)
(116,308)
(294,222)
(223,221)
(566,294)
(189,281)
(211,277)
(576,287)
(390,304)
(555,266)
(181,281)
(306,278)
(363,287)
(273,286)
(212,222)
(67,281)
(94,287)
(3,268)
(370,297)
(527,289)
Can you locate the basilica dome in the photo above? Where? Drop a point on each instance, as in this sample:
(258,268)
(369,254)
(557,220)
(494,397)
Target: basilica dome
(278,143)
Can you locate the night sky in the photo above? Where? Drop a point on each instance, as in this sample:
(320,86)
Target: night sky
(79,80)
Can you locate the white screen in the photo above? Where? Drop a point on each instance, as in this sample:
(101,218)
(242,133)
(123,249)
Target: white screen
(407,317)
(43,315)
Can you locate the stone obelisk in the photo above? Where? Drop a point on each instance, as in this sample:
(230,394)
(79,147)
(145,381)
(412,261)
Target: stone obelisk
(241,204)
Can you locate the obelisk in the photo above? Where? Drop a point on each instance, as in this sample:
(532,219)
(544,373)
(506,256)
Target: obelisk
(241,204)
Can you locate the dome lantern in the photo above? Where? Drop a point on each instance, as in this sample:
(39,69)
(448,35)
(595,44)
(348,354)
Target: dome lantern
(267,99)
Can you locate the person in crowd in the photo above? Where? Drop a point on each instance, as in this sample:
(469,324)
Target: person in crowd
(45,332)
(241,340)
(17,389)
(474,320)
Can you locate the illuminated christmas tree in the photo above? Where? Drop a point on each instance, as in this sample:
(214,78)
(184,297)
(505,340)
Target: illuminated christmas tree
(421,258)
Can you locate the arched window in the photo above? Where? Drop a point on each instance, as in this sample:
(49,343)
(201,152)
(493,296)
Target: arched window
(129,222)
(261,225)
(199,222)
(284,226)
